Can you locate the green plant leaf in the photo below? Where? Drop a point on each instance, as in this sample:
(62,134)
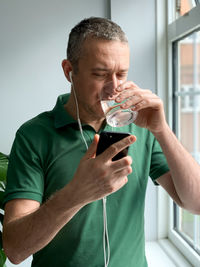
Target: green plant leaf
(2,258)
(1,218)
(1,185)
(3,166)
(2,254)
(1,199)
(1,243)
(3,173)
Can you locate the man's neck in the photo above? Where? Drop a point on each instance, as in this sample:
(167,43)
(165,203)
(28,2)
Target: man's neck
(86,118)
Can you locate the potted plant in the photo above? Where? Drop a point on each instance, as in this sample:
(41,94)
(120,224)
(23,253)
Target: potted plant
(3,172)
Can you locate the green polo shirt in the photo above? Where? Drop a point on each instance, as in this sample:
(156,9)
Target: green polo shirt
(44,157)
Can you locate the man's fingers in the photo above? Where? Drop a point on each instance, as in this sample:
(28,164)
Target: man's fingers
(92,148)
(126,85)
(134,94)
(114,149)
(146,103)
(121,164)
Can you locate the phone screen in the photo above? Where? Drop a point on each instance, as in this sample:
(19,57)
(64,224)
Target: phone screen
(109,138)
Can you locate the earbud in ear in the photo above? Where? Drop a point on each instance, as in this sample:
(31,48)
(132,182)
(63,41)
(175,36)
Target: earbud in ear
(70,76)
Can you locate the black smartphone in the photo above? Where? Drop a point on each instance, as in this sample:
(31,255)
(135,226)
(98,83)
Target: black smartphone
(109,138)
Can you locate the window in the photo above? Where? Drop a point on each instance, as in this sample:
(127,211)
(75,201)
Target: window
(184,70)
(187,92)
(187,120)
(184,6)
(178,8)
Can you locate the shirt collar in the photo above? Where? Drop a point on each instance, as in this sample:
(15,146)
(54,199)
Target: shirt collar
(61,116)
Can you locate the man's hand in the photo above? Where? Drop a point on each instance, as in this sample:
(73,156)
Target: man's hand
(149,106)
(99,176)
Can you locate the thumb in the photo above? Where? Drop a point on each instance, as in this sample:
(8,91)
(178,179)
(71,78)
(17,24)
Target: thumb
(91,152)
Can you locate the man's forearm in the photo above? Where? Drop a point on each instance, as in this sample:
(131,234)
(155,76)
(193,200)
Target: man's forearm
(184,169)
(95,178)
(26,235)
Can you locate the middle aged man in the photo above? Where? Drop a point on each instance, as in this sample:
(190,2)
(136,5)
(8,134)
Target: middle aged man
(55,187)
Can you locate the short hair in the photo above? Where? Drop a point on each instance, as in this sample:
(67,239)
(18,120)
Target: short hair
(92,28)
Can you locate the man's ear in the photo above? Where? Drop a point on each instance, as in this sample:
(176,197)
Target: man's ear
(67,67)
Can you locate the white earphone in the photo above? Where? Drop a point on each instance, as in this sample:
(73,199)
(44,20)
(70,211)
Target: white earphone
(77,110)
(105,232)
(70,76)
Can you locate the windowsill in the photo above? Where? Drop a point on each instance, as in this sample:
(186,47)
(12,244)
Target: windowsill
(164,253)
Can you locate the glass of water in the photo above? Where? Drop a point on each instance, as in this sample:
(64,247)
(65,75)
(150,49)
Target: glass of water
(115,116)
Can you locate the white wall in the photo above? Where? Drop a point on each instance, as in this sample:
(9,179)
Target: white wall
(33,39)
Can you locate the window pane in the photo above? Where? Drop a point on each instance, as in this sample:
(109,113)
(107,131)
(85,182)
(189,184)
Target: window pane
(187,110)
(188,93)
(189,227)
(187,222)
(184,6)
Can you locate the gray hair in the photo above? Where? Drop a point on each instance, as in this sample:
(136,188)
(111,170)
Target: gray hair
(94,28)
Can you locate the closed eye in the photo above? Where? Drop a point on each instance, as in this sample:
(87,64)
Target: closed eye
(122,75)
(99,75)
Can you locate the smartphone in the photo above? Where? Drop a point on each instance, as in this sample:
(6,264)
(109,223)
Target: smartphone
(109,138)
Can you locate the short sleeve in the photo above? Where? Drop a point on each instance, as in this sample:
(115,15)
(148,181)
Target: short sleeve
(25,177)
(159,164)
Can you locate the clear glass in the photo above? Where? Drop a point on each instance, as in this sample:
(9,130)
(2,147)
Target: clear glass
(183,7)
(188,122)
(189,93)
(114,114)
(187,223)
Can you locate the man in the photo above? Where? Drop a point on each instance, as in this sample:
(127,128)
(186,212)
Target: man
(55,185)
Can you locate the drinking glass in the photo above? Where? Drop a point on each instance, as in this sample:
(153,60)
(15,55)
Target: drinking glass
(114,114)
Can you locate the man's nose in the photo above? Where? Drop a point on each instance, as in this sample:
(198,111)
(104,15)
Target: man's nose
(109,88)
(115,81)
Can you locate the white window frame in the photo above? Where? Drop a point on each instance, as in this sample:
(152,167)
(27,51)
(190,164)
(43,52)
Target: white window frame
(162,92)
(167,237)
(177,30)
(187,108)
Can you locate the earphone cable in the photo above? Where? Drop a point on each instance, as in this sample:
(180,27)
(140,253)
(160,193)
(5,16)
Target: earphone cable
(77,114)
(105,225)
(105,235)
